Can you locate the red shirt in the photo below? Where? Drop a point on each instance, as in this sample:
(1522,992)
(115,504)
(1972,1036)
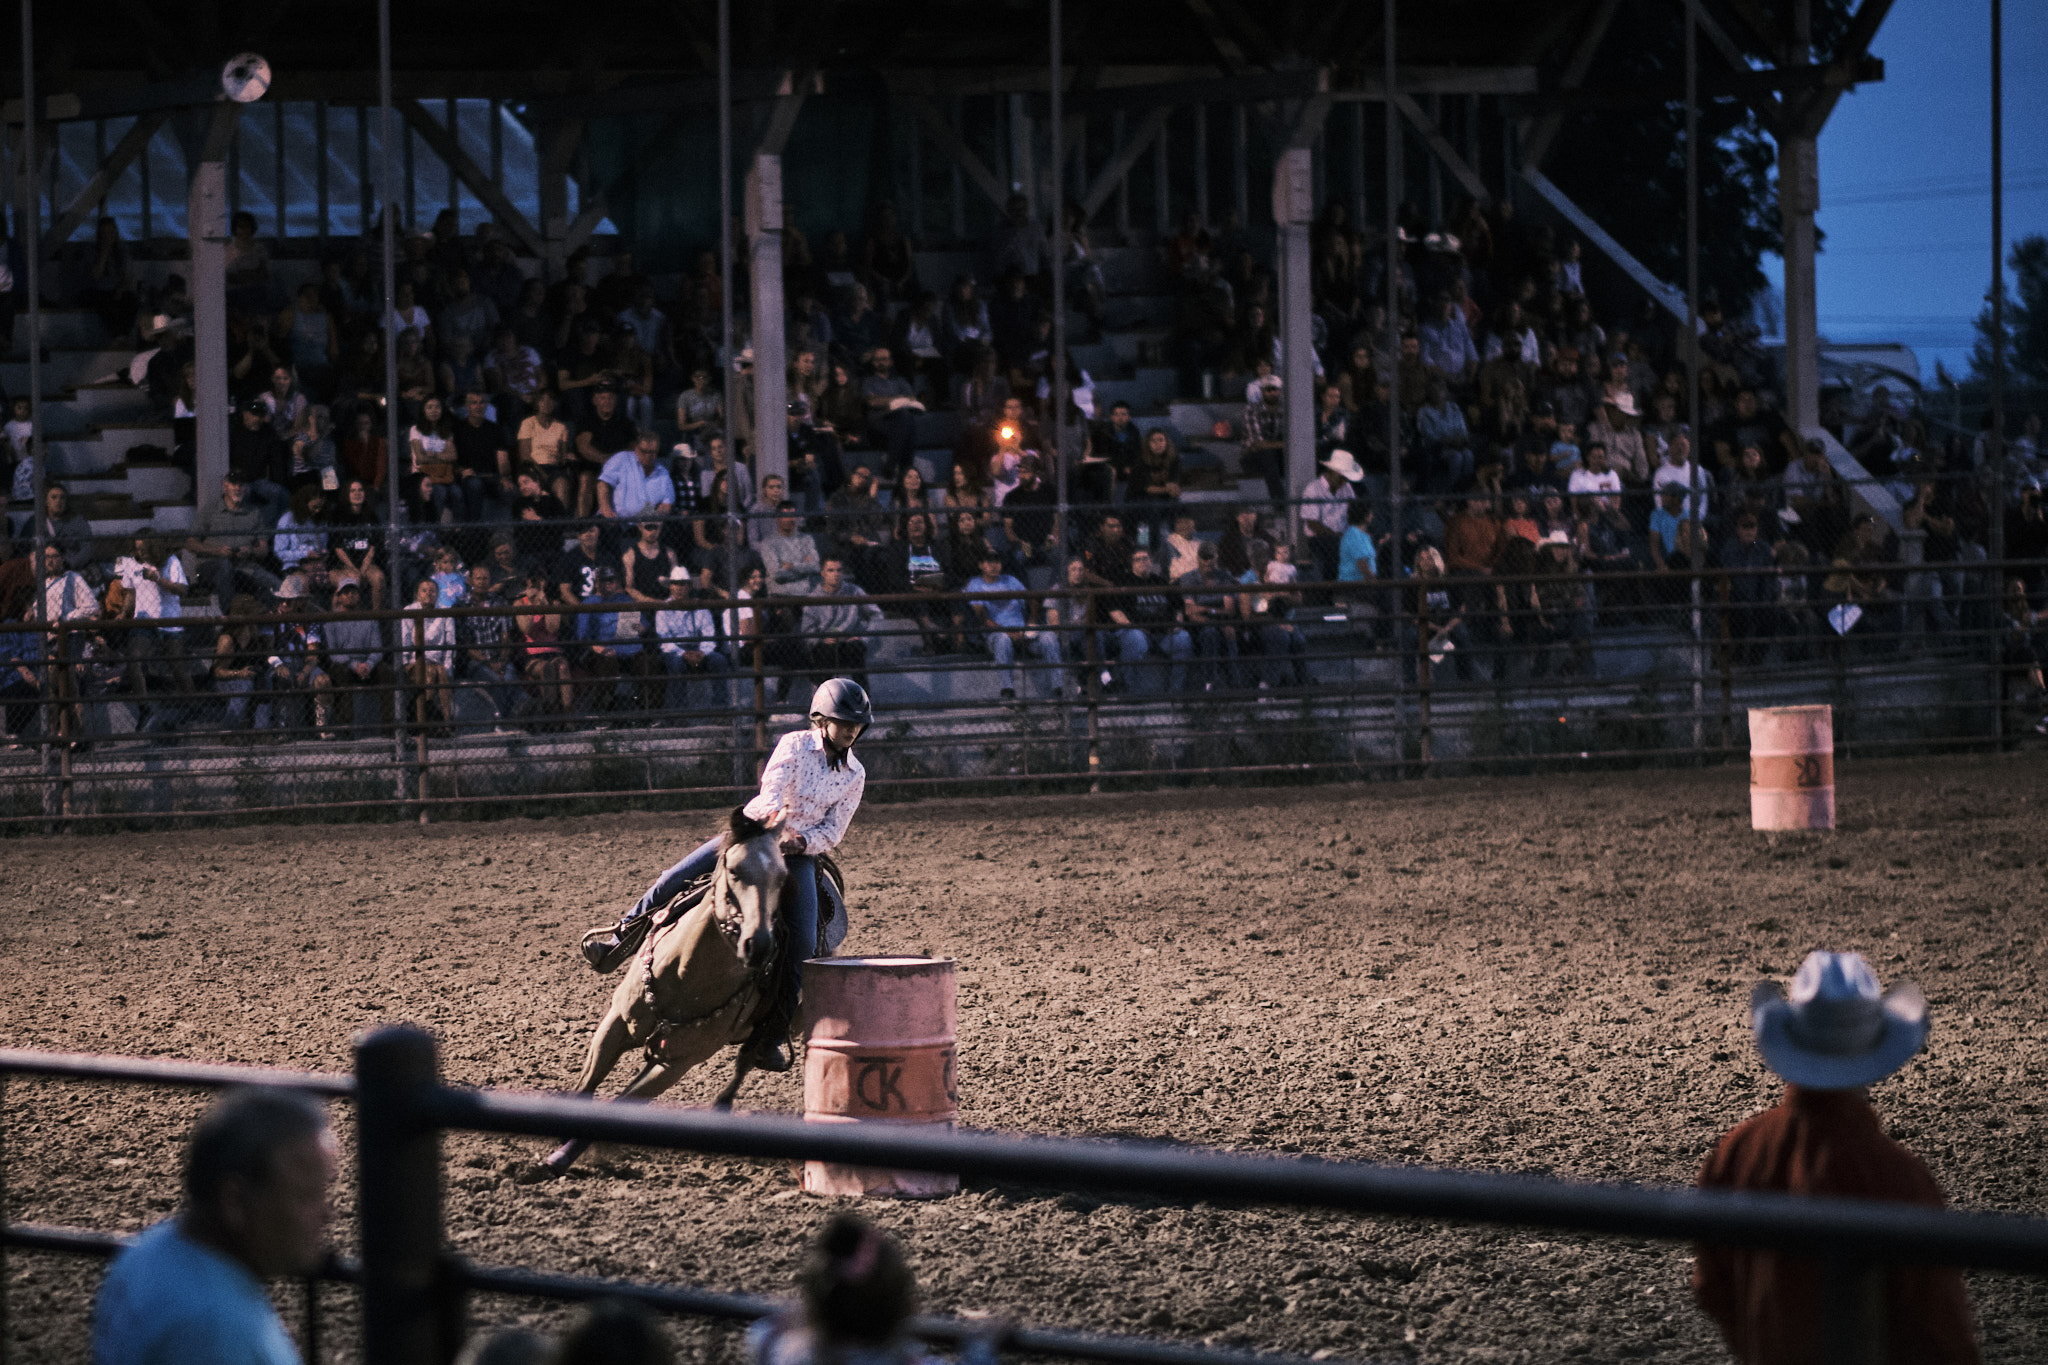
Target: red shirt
(1824,1142)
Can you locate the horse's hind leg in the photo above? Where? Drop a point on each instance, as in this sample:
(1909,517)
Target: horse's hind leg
(741,1069)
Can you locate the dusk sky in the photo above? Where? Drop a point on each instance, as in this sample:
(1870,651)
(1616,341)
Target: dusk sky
(1906,170)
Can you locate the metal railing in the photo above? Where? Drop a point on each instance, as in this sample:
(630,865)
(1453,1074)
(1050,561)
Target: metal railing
(1536,665)
(413,1289)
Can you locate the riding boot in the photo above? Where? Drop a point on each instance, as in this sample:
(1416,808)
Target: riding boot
(768,1048)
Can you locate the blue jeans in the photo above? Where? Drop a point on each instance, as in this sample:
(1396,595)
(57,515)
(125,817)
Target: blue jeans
(800,910)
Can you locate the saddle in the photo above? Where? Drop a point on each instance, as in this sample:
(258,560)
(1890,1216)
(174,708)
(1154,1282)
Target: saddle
(608,948)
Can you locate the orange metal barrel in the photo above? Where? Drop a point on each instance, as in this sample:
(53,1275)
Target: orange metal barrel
(1792,767)
(879,1036)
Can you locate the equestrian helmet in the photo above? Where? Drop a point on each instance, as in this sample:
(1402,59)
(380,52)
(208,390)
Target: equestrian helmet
(843,699)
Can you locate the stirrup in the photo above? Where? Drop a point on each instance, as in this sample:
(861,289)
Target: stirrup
(608,947)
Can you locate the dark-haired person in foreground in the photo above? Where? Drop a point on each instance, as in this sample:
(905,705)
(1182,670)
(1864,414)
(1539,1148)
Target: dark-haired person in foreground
(190,1291)
(856,1295)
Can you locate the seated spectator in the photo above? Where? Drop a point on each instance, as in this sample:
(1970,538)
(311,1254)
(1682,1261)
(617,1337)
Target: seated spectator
(192,1288)
(835,624)
(1748,595)
(229,541)
(1473,537)
(1447,348)
(892,408)
(613,651)
(789,557)
(915,567)
(916,341)
(1211,607)
(1680,470)
(302,531)
(857,328)
(1324,500)
(700,409)
(1109,554)
(542,519)
(66,594)
(646,564)
(607,434)
(432,467)
(690,647)
(483,458)
(1030,512)
(856,1296)
(1019,242)
(854,524)
(1148,620)
(298,679)
(1265,444)
(365,453)
(1116,441)
(428,648)
(1358,559)
(1594,475)
(576,572)
(1815,500)
(964,326)
(1833,1036)
(1180,551)
(1268,626)
(64,527)
(1443,440)
(1678,544)
(1155,482)
(484,654)
(542,661)
(1004,624)
(355,661)
(1074,618)
(633,484)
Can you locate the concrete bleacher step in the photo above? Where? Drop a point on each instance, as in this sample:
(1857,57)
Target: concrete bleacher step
(106,404)
(66,369)
(1197,420)
(67,329)
(1121,312)
(97,453)
(143,483)
(1150,388)
(1139,345)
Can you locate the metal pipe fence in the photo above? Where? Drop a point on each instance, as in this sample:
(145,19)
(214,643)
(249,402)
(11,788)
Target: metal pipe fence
(1089,681)
(413,1289)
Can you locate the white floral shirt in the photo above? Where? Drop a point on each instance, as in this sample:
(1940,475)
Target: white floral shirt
(816,800)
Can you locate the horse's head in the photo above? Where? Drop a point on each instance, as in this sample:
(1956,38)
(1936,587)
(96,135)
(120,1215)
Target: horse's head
(751,854)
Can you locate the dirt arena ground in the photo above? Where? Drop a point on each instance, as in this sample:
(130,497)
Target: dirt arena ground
(1523,975)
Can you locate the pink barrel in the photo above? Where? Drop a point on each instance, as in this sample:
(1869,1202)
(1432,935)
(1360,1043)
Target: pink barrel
(879,1035)
(1792,767)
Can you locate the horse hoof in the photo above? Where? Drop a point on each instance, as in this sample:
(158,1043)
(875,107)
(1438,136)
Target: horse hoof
(534,1173)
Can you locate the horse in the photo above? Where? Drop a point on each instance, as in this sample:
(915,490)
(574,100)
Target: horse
(699,982)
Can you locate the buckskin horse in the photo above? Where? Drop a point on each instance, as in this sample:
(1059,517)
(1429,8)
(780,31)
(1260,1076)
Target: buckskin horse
(701,980)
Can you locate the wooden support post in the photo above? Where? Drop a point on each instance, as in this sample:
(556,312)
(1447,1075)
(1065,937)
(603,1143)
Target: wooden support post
(1201,113)
(1240,165)
(770,456)
(1293,211)
(280,187)
(207,227)
(1162,188)
(320,172)
(959,186)
(1117,179)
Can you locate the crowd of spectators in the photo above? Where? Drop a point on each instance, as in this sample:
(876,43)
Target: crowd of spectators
(565,444)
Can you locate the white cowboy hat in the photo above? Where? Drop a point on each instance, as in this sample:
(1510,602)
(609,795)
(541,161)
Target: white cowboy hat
(1556,538)
(679,574)
(1625,404)
(1346,465)
(1836,1030)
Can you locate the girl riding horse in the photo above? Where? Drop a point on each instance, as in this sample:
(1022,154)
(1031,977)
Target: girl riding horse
(813,785)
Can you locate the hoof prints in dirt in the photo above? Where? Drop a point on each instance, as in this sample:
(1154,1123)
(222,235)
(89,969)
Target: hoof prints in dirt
(1534,975)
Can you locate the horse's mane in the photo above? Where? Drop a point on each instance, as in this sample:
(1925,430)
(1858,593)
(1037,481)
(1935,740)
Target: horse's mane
(741,828)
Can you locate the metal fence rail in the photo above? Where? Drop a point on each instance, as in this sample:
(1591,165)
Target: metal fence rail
(412,1288)
(1380,678)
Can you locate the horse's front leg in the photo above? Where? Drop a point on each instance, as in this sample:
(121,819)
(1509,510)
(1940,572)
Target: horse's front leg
(654,1078)
(607,1045)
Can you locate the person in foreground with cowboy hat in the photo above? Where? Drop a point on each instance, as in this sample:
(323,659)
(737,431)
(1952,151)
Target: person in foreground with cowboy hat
(1831,1037)
(1325,508)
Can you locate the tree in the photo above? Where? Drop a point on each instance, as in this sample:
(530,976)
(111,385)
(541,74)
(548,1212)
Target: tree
(2026,322)
(1626,166)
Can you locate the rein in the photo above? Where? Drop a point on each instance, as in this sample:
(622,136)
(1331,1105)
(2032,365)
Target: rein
(725,914)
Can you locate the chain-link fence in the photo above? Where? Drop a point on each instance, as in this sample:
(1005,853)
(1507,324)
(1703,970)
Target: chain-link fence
(570,666)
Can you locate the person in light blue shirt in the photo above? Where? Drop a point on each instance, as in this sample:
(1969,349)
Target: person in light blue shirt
(1358,558)
(190,1291)
(633,486)
(1004,623)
